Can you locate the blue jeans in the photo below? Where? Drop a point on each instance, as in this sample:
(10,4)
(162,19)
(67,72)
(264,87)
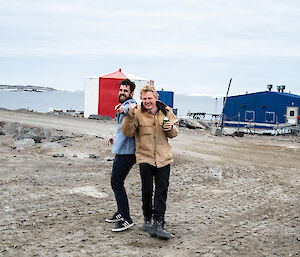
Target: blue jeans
(121,167)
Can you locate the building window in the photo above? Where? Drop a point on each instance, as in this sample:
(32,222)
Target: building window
(249,116)
(270,117)
(292,113)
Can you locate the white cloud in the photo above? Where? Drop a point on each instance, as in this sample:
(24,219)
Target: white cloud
(211,40)
(160,28)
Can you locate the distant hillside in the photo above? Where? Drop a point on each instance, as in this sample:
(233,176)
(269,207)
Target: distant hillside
(26,88)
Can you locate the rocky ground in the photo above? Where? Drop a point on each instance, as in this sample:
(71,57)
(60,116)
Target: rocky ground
(228,196)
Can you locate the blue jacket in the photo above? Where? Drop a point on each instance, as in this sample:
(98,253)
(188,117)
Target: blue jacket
(123,144)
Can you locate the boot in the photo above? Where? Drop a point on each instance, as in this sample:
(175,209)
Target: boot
(147,224)
(158,230)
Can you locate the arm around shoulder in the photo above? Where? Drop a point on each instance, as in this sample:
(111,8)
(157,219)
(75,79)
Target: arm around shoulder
(128,126)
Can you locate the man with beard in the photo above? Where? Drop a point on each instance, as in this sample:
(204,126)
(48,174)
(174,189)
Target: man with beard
(124,149)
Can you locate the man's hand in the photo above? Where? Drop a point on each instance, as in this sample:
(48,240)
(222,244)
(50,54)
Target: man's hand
(167,126)
(110,141)
(119,108)
(132,107)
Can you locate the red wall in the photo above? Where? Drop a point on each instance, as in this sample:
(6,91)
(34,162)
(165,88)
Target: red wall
(108,96)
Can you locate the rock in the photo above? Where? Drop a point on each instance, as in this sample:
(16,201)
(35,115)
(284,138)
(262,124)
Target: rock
(23,143)
(216,172)
(238,134)
(11,127)
(58,155)
(99,117)
(50,145)
(37,139)
(190,123)
(43,132)
(108,158)
(37,131)
(77,135)
(93,156)
(56,138)
(216,131)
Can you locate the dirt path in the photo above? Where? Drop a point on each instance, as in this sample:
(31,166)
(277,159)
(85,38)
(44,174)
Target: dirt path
(227,196)
(72,124)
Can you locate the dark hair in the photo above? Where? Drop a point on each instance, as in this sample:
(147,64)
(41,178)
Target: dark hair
(128,82)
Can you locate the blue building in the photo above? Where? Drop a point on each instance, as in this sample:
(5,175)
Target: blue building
(262,109)
(166,97)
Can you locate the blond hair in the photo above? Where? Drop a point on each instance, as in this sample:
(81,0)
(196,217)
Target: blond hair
(148,88)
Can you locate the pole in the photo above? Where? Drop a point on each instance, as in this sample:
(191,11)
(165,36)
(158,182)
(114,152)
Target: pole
(222,122)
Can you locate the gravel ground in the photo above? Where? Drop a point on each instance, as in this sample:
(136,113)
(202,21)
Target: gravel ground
(227,196)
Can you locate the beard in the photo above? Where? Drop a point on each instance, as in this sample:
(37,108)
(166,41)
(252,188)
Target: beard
(124,99)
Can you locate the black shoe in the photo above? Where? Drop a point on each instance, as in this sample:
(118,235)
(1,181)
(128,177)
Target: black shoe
(115,218)
(123,225)
(147,224)
(158,230)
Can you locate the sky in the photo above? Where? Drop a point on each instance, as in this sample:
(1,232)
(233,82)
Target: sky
(190,47)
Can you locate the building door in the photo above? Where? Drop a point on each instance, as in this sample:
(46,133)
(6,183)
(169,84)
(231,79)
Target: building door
(292,115)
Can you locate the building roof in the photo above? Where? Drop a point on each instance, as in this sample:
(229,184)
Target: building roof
(269,92)
(119,75)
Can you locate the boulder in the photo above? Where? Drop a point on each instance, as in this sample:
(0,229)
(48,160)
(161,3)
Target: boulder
(41,132)
(37,139)
(12,127)
(50,145)
(93,156)
(190,123)
(58,155)
(55,138)
(23,143)
(108,158)
(99,117)
(216,131)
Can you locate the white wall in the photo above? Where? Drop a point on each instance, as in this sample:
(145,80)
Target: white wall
(91,96)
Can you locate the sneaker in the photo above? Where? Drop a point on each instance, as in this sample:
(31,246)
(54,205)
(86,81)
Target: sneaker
(115,218)
(157,229)
(123,225)
(147,224)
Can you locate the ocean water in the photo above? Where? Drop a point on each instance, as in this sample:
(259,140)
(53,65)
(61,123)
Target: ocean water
(42,101)
(66,100)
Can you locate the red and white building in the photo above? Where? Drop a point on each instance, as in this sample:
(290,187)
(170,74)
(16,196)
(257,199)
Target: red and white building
(101,92)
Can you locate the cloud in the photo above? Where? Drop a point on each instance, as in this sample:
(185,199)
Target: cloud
(196,43)
(157,28)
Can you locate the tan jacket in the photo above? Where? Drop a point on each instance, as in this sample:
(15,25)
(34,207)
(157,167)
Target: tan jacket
(152,144)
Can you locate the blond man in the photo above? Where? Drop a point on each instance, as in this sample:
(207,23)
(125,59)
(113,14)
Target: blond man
(147,123)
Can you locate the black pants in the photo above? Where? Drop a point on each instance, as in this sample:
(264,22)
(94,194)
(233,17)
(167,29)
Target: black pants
(121,167)
(161,179)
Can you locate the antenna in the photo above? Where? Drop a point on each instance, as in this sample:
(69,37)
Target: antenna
(222,122)
(270,86)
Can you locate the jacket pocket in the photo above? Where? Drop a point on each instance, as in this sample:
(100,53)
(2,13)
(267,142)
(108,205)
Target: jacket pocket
(146,129)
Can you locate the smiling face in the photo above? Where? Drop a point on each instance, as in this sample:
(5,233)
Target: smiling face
(149,100)
(124,93)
